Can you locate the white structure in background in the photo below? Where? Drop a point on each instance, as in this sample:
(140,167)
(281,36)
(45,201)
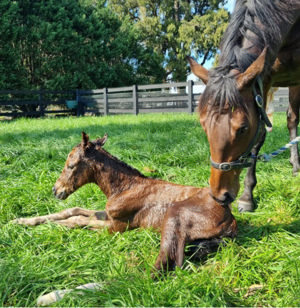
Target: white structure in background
(197,89)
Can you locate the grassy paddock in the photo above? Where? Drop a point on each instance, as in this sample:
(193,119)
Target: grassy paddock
(37,260)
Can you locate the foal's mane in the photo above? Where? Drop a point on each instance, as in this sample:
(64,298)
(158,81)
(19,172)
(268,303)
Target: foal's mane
(258,22)
(115,162)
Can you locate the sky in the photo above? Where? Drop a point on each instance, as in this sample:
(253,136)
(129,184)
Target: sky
(230,5)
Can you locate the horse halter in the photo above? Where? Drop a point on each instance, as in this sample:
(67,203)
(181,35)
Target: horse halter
(245,160)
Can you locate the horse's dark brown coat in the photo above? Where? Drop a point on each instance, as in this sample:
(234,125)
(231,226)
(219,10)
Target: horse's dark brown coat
(262,39)
(181,213)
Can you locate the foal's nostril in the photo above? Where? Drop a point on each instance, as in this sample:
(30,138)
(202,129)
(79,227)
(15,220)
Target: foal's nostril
(54,190)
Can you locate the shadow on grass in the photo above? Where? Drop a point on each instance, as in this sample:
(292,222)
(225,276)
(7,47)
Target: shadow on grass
(116,129)
(246,234)
(248,231)
(98,128)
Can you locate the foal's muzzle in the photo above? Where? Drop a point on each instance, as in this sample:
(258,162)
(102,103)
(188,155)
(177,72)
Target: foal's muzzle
(62,195)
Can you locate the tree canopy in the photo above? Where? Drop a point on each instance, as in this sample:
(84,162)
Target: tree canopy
(67,44)
(176,28)
(63,44)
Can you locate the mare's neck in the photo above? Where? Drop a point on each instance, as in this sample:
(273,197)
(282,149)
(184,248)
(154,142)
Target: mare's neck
(113,175)
(253,26)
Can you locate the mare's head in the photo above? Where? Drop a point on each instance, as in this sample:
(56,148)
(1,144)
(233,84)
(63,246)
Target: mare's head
(230,119)
(78,168)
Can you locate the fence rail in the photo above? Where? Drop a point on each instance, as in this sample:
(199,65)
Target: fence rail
(173,97)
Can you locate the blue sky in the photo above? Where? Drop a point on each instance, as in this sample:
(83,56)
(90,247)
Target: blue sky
(230,5)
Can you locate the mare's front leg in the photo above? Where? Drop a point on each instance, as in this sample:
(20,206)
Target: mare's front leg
(72,217)
(292,124)
(246,202)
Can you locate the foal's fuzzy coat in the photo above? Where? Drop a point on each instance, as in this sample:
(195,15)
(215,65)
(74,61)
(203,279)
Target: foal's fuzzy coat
(183,214)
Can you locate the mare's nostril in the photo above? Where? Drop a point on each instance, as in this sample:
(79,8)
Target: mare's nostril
(224,199)
(54,190)
(227,198)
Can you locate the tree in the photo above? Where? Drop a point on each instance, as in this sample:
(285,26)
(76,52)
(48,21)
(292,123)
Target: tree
(66,44)
(12,73)
(177,28)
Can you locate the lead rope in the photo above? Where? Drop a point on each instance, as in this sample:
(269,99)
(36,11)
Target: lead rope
(267,157)
(259,101)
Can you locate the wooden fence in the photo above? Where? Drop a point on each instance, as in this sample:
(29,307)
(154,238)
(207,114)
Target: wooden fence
(172,97)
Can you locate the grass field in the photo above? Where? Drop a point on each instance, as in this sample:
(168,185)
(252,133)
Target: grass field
(33,261)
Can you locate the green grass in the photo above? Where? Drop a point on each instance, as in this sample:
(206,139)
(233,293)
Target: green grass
(38,260)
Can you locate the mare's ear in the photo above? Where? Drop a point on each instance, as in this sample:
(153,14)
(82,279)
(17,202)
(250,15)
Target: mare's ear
(252,71)
(85,139)
(198,70)
(101,141)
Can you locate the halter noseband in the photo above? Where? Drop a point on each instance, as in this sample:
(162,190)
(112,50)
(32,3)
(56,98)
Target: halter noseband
(244,161)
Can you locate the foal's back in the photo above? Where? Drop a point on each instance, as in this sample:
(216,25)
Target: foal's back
(149,201)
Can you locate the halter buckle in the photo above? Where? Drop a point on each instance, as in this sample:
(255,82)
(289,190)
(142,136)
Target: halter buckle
(259,101)
(225,166)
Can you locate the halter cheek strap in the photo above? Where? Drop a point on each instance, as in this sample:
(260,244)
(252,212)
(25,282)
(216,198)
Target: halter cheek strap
(244,161)
(260,102)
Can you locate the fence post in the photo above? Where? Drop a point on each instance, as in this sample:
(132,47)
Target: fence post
(190,96)
(105,98)
(135,99)
(80,105)
(42,109)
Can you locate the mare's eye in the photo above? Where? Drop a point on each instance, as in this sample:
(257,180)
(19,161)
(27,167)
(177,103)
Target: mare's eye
(242,130)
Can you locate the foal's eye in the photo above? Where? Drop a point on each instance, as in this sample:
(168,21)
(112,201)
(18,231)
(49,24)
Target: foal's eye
(72,166)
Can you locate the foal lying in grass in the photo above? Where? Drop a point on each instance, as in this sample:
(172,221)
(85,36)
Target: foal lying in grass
(183,214)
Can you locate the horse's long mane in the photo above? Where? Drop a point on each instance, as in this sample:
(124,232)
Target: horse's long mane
(260,22)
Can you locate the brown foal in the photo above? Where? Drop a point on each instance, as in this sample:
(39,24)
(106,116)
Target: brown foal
(183,214)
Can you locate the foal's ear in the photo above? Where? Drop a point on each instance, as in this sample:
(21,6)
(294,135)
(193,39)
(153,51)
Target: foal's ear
(85,139)
(198,70)
(252,71)
(101,141)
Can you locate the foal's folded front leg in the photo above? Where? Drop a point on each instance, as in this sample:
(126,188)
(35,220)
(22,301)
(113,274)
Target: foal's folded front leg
(171,253)
(56,217)
(172,244)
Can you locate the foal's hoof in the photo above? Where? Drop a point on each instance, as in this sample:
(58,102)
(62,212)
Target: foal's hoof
(15,221)
(23,221)
(245,206)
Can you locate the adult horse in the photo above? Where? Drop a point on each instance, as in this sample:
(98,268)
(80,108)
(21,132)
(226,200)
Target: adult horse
(260,49)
